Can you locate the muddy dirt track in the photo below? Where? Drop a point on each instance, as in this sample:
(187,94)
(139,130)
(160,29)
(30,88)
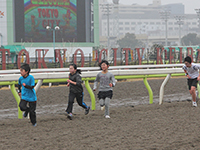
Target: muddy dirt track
(134,124)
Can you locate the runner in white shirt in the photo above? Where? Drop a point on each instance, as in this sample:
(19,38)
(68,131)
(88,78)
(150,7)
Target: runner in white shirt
(192,72)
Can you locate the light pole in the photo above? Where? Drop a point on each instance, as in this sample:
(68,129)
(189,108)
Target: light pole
(108,24)
(165,16)
(54,30)
(115,20)
(1,39)
(180,22)
(107,8)
(198,15)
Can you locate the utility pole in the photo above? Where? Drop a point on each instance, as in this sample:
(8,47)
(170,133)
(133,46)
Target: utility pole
(108,24)
(115,20)
(180,22)
(54,36)
(165,16)
(106,9)
(1,40)
(198,16)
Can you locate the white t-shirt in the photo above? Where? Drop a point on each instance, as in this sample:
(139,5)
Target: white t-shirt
(192,71)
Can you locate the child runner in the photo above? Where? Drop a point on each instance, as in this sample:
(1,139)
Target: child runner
(76,90)
(28,94)
(192,72)
(107,81)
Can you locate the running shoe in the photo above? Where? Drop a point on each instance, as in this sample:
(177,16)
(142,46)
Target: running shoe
(107,117)
(87,110)
(194,104)
(102,108)
(70,116)
(25,114)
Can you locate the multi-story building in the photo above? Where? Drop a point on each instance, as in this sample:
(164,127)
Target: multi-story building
(147,22)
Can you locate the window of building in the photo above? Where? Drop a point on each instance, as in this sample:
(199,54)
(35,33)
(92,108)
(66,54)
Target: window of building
(170,28)
(132,28)
(133,23)
(170,23)
(152,23)
(127,23)
(194,23)
(139,23)
(121,23)
(127,28)
(120,28)
(158,23)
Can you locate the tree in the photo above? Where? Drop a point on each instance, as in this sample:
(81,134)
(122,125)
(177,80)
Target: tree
(190,39)
(154,48)
(130,41)
(153,51)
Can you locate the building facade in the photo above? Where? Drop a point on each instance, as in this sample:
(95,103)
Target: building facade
(148,23)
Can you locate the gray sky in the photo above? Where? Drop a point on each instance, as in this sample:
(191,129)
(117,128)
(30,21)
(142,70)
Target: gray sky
(190,5)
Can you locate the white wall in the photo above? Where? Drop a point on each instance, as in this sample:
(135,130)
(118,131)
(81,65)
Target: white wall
(3,22)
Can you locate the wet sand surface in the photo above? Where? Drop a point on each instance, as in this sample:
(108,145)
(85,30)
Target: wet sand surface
(134,124)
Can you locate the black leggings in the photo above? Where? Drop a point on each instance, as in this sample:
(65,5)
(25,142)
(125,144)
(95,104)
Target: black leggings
(79,99)
(31,109)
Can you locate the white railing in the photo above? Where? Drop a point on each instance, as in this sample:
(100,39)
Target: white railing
(95,68)
(89,73)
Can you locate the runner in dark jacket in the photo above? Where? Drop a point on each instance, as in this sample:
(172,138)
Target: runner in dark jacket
(76,90)
(76,78)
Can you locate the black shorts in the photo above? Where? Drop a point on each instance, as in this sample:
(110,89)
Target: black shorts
(192,82)
(104,94)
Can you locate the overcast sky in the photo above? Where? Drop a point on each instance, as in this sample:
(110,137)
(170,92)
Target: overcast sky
(190,5)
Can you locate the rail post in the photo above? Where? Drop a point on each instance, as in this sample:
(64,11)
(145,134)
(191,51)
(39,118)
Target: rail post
(149,90)
(91,94)
(38,85)
(162,88)
(17,98)
(198,88)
